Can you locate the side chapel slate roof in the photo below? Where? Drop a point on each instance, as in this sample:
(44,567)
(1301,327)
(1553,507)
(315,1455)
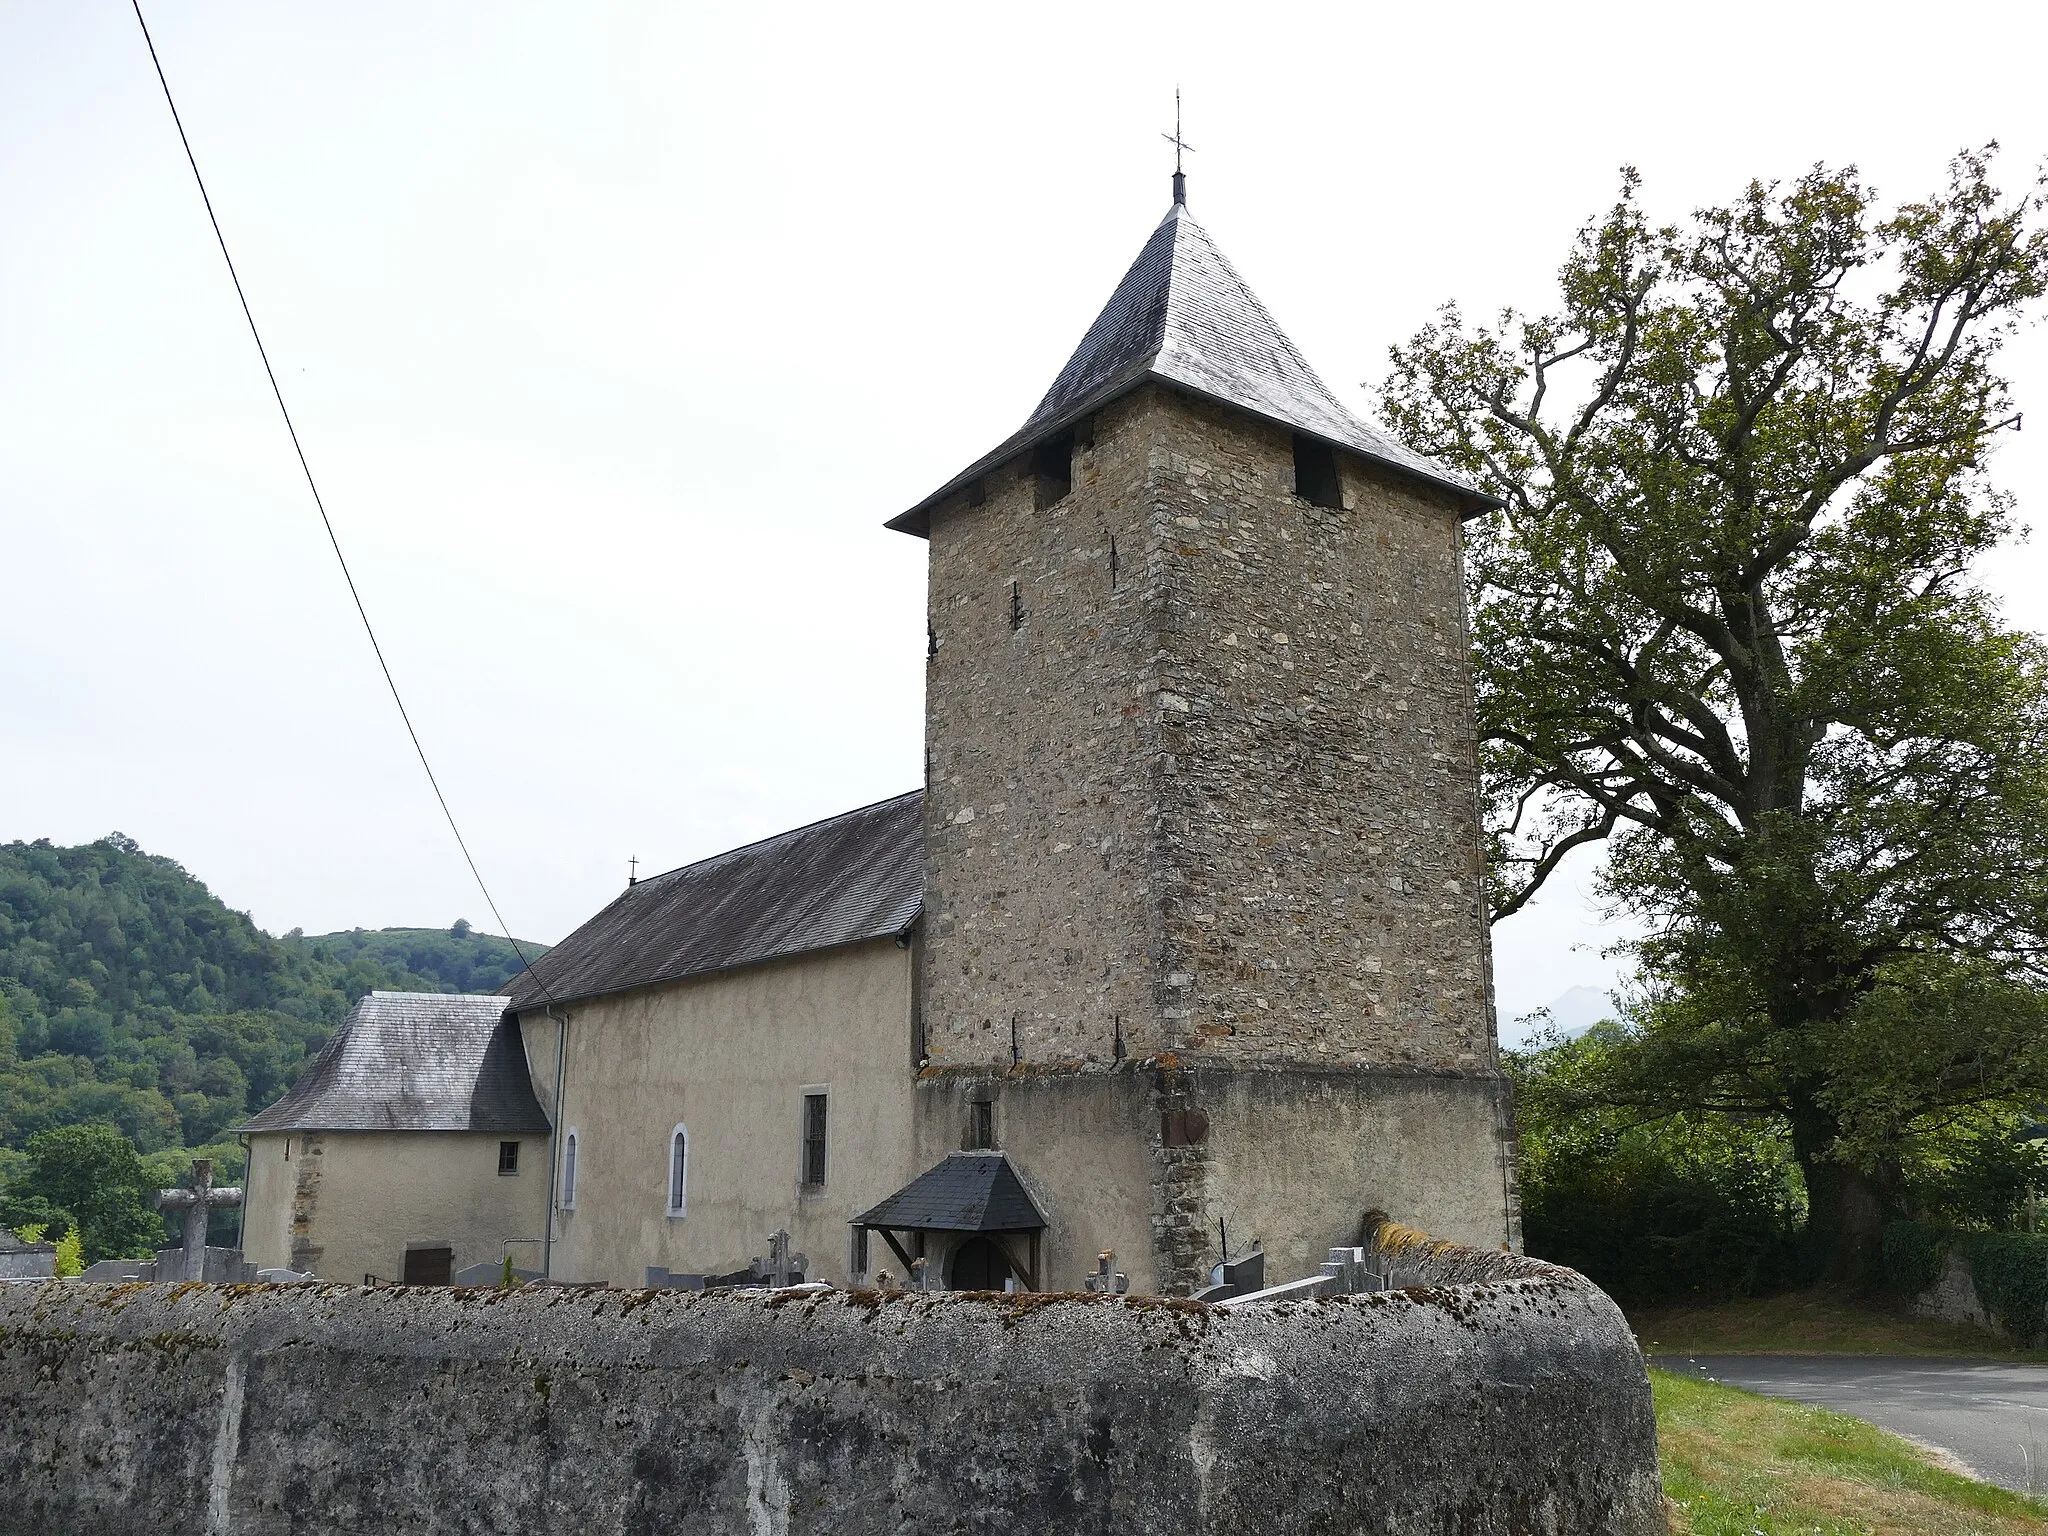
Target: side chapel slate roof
(964,1192)
(415,1061)
(1183,316)
(839,881)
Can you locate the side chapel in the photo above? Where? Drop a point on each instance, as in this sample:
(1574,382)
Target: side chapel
(1182,948)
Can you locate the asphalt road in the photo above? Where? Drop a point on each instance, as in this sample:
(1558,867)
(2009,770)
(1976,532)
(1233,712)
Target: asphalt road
(1992,1417)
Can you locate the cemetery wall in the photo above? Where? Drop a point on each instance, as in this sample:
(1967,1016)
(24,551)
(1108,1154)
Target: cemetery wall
(1512,1399)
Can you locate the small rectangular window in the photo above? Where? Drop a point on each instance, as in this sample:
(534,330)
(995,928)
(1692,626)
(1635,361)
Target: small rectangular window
(981,1126)
(1052,470)
(1315,473)
(429,1264)
(508,1157)
(814,1138)
(857,1253)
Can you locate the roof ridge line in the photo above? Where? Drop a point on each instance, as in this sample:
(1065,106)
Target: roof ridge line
(773,837)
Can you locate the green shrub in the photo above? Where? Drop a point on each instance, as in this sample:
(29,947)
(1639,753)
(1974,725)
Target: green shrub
(1693,1207)
(1978,1173)
(1913,1254)
(2011,1272)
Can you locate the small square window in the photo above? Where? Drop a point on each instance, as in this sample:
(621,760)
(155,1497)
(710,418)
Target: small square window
(1315,474)
(1052,471)
(508,1157)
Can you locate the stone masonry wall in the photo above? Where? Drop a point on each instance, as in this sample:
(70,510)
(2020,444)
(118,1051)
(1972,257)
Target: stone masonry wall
(1319,828)
(1225,804)
(1202,793)
(1041,745)
(1509,1401)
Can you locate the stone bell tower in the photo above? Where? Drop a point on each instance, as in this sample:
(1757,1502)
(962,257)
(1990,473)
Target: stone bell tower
(1205,950)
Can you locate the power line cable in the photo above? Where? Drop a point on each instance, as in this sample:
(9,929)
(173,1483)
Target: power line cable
(326,522)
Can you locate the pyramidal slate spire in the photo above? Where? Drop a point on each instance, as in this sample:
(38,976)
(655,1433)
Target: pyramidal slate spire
(1184,317)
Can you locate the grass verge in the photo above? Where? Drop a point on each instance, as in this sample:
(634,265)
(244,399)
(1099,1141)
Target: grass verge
(1736,1464)
(1811,1323)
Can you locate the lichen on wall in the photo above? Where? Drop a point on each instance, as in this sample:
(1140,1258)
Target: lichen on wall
(1517,1404)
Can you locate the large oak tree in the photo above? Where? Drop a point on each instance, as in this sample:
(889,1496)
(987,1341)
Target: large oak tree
(1727,622)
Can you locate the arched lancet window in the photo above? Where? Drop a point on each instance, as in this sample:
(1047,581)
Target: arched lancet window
(568,1200)
(678,1171)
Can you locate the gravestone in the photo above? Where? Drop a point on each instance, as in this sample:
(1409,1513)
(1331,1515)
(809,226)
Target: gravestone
(1351,1273)
(124,1271)
(197,1199)
(1106,1281)
(1235,1277)
(661,1278)
(22,1260)
(781,1268)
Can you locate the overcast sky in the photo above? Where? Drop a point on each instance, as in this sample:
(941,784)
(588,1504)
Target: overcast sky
(615,332)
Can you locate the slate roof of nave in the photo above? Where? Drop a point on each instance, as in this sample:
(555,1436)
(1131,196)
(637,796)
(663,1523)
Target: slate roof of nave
(1183,316)
(839,881)
(415,1061)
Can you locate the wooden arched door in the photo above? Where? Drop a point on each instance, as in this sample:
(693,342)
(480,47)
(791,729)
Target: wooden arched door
(978,1265)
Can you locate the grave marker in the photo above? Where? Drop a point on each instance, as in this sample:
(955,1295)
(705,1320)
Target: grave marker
(197,1199)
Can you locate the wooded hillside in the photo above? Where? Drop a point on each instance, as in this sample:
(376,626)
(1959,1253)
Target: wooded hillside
(130,995)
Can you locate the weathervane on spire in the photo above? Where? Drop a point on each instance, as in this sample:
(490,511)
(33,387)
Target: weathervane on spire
(1180,182)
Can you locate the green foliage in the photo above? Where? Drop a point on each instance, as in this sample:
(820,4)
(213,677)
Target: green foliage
(459,959)
(1913,1253)
(131,997)
(89,1178)
(1695,1206)
(70,1255)
(1727,619)
(1975,1171)
(2011,1274)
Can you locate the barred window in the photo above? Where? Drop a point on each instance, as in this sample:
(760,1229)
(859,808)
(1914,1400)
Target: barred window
(814,1138)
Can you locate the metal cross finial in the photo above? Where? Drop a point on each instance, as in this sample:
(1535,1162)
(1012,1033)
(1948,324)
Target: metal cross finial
(1180,182)
(633,870)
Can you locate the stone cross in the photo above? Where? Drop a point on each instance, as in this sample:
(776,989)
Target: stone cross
(782,1267)
(1106,1281)
(196,1199)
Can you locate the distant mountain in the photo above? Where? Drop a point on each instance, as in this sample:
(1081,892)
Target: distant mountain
(1571,1014)
(131,996)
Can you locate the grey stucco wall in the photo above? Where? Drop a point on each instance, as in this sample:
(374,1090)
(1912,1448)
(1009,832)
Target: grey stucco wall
(1127,1158)
(729,1057)
(1515,1404)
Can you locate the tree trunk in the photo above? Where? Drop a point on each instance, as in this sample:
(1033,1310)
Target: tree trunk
(1846,1208)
